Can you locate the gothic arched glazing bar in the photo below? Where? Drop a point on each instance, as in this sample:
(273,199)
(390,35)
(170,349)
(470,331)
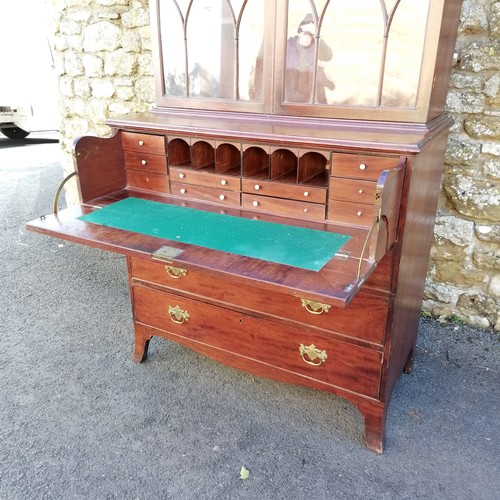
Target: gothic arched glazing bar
(388,18)
(237,49)
(184,21)
(318,21)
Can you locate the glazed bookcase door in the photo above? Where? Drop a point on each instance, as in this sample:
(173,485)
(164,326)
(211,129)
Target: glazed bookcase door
(352,58)
(369,59)
(206,53)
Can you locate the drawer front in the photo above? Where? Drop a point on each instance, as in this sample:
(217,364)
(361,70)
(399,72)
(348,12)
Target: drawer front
(139,179)
(351,213)
(365,318)
(293,192)
(153,144)
(220,181)
(352,190)
(292,208)
(145,161)
(205,193)
(299,351)
(361,166)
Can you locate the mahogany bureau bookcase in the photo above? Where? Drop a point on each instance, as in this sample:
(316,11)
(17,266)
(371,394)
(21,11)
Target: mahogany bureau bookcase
(276,206)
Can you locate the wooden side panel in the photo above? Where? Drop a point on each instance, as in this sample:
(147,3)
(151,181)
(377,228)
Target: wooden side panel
(100,166)
(418,207)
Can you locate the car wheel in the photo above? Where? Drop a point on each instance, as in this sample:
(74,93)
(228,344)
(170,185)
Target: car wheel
(14,133)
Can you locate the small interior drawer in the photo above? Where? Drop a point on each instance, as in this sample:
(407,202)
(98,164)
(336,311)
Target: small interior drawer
(146,161)
(352,190)
(200,178)
(282,190)
(361,166)
(205,193)
(150,181)
(356,214)
(340,363)
(147,143)
(292,208)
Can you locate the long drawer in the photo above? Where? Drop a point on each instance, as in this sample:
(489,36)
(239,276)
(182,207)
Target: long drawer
(281,206)
(365,318)
(283,190)
(205,193)
(209,179)
(296,350)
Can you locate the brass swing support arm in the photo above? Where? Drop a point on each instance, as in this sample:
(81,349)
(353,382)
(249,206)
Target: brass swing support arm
(59,189)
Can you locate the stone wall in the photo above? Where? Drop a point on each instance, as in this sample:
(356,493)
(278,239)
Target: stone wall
(103,54)
(464,273)
(104,62)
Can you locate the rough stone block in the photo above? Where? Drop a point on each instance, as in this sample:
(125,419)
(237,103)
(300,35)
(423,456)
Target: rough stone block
(477,198)
(465,102)
(483,127)
(462,152)
(488,232)
(102,35)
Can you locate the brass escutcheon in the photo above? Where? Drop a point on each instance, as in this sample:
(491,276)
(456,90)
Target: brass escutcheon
(312,355)
(315,307)
(175,272)
(178,315)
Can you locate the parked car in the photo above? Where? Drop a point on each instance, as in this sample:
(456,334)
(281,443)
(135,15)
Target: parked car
(28,81)
(15,121)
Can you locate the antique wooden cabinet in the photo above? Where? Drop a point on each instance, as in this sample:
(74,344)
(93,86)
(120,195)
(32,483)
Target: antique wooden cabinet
(276,207)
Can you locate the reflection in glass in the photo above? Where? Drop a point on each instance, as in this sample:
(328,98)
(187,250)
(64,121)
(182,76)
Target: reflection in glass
(305,77)
(362,53)
(209,47)
(365,52)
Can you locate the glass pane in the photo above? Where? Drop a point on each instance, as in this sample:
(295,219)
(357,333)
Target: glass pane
(211,49)
(172,46)
(355,31)
(404,54)
(308,54)
(337,52)
(250,56)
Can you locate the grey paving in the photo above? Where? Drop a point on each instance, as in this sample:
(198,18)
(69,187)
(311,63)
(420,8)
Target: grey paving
(79,420)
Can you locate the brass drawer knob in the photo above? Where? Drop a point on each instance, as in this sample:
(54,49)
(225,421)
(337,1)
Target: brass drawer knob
(315,307)
(311,355)
(175,272)
(178,315)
